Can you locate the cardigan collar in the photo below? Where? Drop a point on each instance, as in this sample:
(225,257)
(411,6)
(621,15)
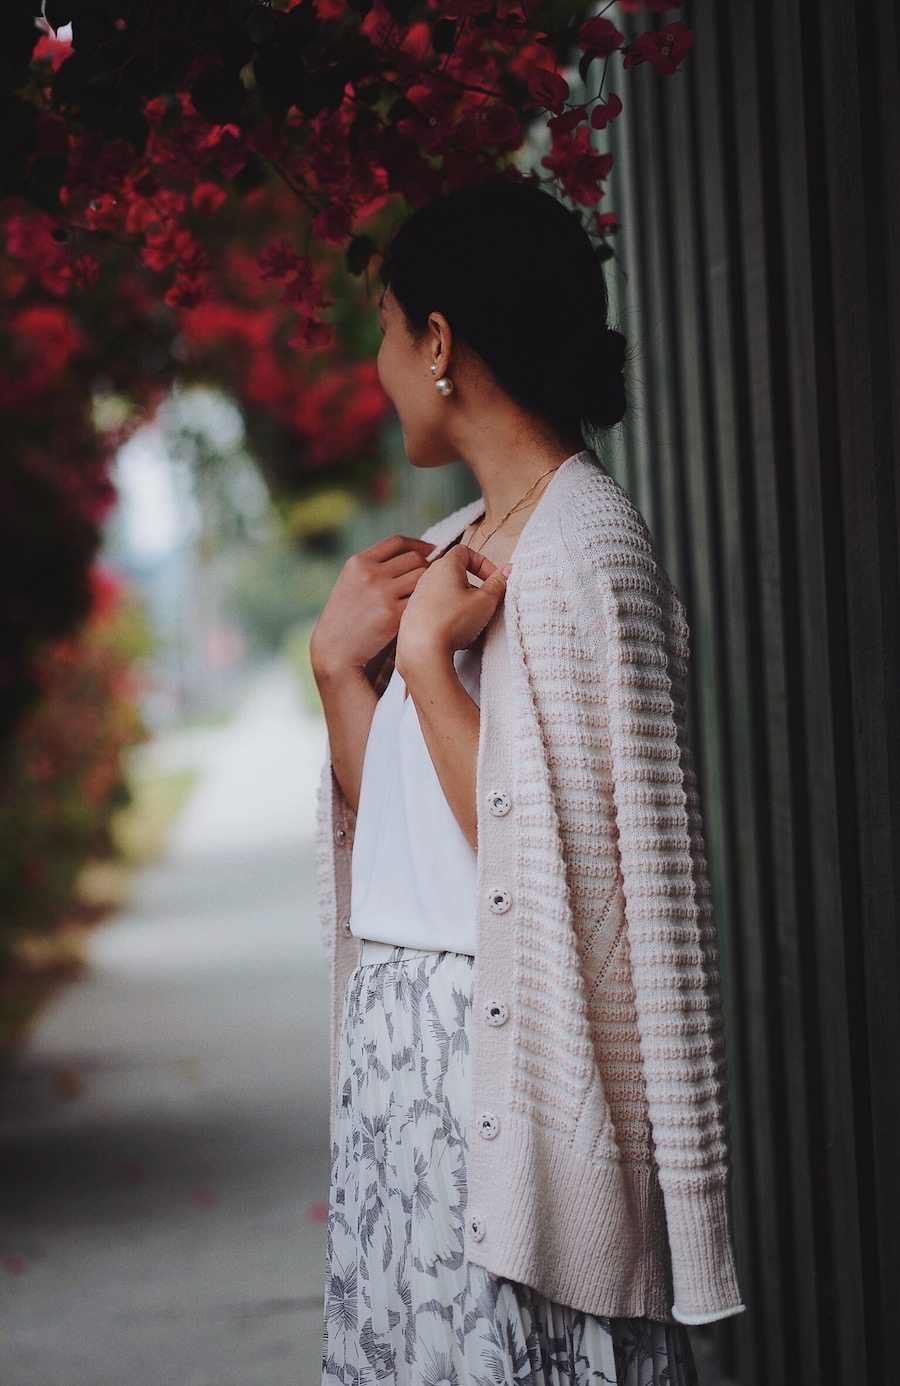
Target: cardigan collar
(567,473)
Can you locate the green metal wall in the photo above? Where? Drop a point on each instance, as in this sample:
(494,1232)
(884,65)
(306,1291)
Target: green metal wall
(758,285)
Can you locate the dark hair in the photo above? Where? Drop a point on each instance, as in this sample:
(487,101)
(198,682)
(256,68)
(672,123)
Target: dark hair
(520,282)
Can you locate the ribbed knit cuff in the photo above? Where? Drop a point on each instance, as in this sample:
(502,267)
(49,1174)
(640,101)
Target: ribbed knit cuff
(704,1275)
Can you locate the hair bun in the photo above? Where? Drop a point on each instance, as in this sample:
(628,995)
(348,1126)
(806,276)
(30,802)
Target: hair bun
(586,379)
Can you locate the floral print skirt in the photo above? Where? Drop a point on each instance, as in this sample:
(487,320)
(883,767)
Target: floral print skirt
(402,1304)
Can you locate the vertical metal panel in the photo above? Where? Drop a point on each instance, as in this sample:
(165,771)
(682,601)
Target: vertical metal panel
(816,546)
(876,696)
(760,204)
(687,170)
(659,470)
(731,819)
(862,626)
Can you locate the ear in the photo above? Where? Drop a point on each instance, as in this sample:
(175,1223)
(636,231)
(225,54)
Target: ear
(440,342)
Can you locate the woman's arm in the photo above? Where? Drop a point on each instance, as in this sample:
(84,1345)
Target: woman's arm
(447,613)
(348,701)
(450,719)
(360,617)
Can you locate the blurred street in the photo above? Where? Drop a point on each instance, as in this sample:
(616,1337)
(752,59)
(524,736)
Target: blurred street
(164,1128)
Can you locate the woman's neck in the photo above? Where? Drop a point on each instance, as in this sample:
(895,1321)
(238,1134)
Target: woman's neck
(511,491)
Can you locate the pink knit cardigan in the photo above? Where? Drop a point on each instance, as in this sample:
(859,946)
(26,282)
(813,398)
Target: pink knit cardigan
(599,1152)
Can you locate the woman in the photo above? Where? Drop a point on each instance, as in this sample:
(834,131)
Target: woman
(530,1161)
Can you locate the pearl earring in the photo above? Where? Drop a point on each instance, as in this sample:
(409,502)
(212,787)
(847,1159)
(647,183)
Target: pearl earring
(445,384)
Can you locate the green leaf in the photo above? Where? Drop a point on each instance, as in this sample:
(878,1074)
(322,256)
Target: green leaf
(584,64)
(218,95)
(76,74)
(369,93)
(44,180)
(443,35)
(261,25)
(250,176)
(358,254)
(399,109)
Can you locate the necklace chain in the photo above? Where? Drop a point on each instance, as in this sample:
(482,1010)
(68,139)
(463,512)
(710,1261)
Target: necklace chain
(518,505)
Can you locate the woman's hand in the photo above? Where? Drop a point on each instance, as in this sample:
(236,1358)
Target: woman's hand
(364,609)
(446,612)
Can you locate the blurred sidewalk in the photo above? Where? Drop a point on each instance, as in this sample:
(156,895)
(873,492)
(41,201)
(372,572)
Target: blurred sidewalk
(164,1129)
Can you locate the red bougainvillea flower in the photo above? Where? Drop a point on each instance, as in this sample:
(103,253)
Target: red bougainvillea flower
(663,50)
(103,213)
(431,120)
(548,88)
(34,251)
(52,50)
(579,168)
(600,36)
(229,150)
(187,290)
(305,290)
(606,111)
(44,338)
(85,271)
(495,125)
(568,119)
(277,260)
(310,335)
(207,197)
(336,413)
(333,224)
(606,222)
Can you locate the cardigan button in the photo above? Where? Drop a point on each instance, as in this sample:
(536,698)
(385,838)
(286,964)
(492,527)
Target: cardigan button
(340,833)
(476,1227)
(488,1125)
(496,1012)
(345,923)
(498,802)
(499,900)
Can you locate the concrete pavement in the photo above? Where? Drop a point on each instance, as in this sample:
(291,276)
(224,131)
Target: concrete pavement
(164,1129)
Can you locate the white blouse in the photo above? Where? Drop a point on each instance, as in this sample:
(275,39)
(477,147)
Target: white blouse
(412,869)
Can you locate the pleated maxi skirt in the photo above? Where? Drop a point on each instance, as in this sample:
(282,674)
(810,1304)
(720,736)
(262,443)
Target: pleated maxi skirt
(402,1304)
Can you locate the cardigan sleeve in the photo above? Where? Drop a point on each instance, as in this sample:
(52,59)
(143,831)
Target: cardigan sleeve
(670,929)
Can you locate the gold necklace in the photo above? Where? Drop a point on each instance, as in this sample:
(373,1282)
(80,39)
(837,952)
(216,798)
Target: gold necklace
(518,505)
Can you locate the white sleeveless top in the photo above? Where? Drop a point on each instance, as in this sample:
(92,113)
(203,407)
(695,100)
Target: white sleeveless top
(412,868)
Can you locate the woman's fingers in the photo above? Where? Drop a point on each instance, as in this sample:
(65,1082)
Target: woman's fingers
(474,562)
(396,544)
(478,563)
(403,563)
(405,583)
(407,568)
